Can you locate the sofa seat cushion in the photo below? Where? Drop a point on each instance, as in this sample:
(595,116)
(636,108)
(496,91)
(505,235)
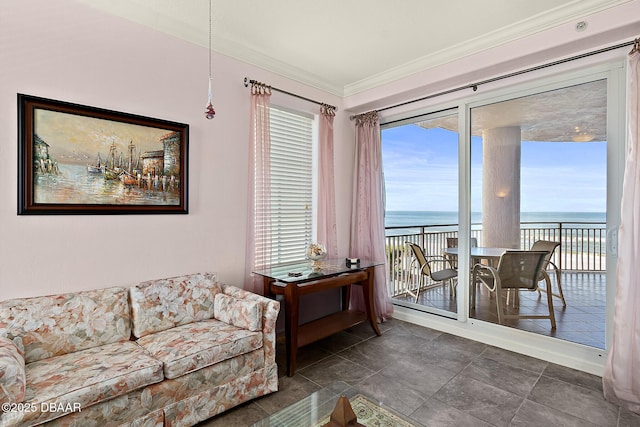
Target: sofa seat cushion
(78,380)
(190,347)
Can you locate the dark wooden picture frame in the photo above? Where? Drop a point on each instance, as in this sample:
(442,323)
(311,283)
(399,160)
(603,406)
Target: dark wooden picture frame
(76,159)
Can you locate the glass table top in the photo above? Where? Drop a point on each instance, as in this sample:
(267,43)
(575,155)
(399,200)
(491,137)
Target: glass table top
(302,271)
(314,410)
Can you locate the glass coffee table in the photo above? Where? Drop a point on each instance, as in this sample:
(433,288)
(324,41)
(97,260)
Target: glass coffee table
(315,410)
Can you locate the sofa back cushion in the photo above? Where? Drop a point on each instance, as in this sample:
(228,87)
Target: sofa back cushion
(158,305)
(48,326)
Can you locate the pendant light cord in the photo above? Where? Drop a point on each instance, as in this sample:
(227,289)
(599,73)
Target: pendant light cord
(210,112)
(210,40)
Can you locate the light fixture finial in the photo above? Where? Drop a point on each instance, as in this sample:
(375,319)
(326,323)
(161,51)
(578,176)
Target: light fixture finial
(210,112)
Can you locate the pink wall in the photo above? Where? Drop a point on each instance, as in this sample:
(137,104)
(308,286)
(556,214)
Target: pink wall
(70,52)
(67,51)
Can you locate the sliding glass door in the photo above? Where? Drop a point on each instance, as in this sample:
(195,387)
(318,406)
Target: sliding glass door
(420,160)
(538,163)
(539,173)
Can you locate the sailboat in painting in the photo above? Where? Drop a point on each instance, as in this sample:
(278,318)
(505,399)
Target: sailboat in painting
(112,170)
(127,175)
(98,167)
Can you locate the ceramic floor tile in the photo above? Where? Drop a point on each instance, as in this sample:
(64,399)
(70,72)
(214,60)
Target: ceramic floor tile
(335,368)
(457,343)
(419,375)
(628,419)
(505,377)
(480,400)
(515,359)
(532,414)
(392,393)
(436,413)
(338,342)
(575,400)
(370,354)
(438,353)
(574,377)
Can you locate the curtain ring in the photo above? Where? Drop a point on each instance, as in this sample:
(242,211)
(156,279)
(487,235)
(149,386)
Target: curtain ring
(327,110)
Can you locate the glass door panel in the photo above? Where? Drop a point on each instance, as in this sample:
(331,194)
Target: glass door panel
(539,172)
(420,162)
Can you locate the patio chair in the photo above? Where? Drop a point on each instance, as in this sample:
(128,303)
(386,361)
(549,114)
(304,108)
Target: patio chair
(550,247)
(444,275)
(452,242)
(517,270)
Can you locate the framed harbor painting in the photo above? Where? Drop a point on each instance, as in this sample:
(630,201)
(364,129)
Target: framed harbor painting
(76,159)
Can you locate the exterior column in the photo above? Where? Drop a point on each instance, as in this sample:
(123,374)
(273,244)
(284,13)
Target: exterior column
(501,187)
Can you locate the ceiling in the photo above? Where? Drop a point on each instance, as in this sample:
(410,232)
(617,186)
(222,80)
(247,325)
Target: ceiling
(347,46)
(570,114)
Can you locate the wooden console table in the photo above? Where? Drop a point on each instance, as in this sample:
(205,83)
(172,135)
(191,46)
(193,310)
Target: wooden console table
(295,280)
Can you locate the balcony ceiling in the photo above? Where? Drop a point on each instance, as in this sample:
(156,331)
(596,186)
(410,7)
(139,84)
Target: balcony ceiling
(572,114)
(347,46)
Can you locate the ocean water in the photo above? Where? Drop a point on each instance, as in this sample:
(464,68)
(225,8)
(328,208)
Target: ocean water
(73,185)
(419,218)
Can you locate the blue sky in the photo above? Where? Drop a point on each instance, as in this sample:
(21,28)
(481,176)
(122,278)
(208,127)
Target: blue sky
(421,173)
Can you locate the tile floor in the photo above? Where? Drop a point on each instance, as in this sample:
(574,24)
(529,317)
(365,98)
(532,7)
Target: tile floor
(440,379)
(581,321)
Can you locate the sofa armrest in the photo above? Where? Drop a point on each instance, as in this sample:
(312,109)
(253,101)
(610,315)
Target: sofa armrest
(12,372)
(270,309)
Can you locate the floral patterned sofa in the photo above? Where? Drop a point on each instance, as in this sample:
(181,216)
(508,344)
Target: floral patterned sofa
(168,352)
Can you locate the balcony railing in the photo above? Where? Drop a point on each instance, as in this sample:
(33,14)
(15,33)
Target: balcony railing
(582,246)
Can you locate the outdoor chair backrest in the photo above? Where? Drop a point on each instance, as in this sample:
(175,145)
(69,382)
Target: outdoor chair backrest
(422,260)
(546,246)
(520,269)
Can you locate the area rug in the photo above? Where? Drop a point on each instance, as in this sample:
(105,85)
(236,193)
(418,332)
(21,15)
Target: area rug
(371,414)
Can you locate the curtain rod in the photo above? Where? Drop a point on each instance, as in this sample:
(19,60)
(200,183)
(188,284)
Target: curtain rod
(247,82)
(474,86)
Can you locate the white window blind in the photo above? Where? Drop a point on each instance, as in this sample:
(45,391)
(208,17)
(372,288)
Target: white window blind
(291,185)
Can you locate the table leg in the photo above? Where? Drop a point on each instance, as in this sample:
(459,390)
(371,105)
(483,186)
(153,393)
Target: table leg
(266,285)
(345,291)
(291,326)
(368,287)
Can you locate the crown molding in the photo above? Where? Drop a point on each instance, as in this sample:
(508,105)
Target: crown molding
(242,53)
(578,9)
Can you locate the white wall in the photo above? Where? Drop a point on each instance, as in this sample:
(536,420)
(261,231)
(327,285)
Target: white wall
(67,51)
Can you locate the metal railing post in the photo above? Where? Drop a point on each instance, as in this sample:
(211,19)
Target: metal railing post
(560,248)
